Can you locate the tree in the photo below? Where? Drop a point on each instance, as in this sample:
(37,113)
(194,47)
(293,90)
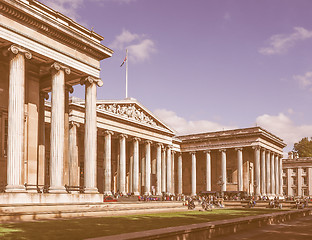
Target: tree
(304,147)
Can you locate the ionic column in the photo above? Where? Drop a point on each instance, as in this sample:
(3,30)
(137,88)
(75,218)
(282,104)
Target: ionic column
(163,171)
(172,173)
(262,177)
(180,183)
(193,191)
(208,170)
(16,118)
(169,190)
(90,138)
(257,170)
(108,162)
(147,168)
(309,181)
(299,181)
(135,186)
(239,169)
(73,155)
(57,128)
(272,174)
(68,89)
(158,169)
(122,163)
(268,172)
(289,182)
(280,175)
(41,138)
(223,169)
(277,175)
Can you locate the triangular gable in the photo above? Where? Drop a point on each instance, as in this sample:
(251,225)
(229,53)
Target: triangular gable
(131,109)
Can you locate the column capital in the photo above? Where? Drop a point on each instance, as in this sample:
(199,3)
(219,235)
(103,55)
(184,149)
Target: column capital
(168,147)
(69,88)
(108,132)
(73,123)
(192,152)
(57,67)
(16,49)
(173,152)
(256,147)
(122,135)
(148,141)
(90,80)
(45,95)
(159,144)
(222,150)
(238,149)
(207,151)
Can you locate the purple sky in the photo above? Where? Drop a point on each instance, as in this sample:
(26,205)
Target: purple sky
(208,65)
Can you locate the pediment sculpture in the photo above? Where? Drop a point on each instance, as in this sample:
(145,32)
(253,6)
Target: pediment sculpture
(130,111)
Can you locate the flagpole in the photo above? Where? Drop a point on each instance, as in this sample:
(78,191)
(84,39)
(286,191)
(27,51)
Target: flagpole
(127,73)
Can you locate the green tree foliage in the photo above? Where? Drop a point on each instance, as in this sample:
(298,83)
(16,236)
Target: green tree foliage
(304,147)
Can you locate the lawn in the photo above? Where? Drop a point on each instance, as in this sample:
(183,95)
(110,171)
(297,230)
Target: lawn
(96,227)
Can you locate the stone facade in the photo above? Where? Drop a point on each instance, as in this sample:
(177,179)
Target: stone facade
(73,150)
(297,176)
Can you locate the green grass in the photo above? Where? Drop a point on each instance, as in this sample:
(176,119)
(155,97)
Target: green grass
(96,227)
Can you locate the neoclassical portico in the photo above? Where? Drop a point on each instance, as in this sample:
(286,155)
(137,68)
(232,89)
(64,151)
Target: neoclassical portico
(234,160)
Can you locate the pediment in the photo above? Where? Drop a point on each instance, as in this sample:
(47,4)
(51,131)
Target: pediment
(132,110)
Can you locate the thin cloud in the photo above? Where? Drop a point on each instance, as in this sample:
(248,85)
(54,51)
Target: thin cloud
(283,127)
(280,43)
(140,47)
(183,126)
(67,7)
(305,81)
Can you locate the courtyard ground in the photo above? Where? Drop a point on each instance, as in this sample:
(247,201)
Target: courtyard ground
(96,227)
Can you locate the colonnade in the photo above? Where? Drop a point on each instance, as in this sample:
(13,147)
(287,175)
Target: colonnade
(17,62)
(165,177)
(267,170)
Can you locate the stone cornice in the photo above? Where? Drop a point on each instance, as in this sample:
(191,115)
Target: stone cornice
(24,14)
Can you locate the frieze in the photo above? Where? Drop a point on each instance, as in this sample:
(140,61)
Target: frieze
(130,111)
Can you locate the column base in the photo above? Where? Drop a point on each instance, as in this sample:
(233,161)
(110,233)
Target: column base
(91,190)
(147,193)
(15,189)
(59,189)
(108,193)
(136,193)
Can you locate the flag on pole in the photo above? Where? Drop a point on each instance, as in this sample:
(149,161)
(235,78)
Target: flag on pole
(124,61)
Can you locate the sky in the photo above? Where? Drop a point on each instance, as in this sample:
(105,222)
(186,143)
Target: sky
(208,65)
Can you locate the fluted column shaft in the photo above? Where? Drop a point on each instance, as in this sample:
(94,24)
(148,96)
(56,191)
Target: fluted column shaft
(180,183)
(158,169)
(163,171)
(276,175)
(262,177)
(16,118)
(148,168)
(257,170)
(108,163)
(57,128)
(90,138)
(223,169)
(169,190)
(135,186)
(272,174)
(268,172)
(280,176)
(122,164)
(208,170)
(239,169)
(193,193)
(172,173)
(73,155)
